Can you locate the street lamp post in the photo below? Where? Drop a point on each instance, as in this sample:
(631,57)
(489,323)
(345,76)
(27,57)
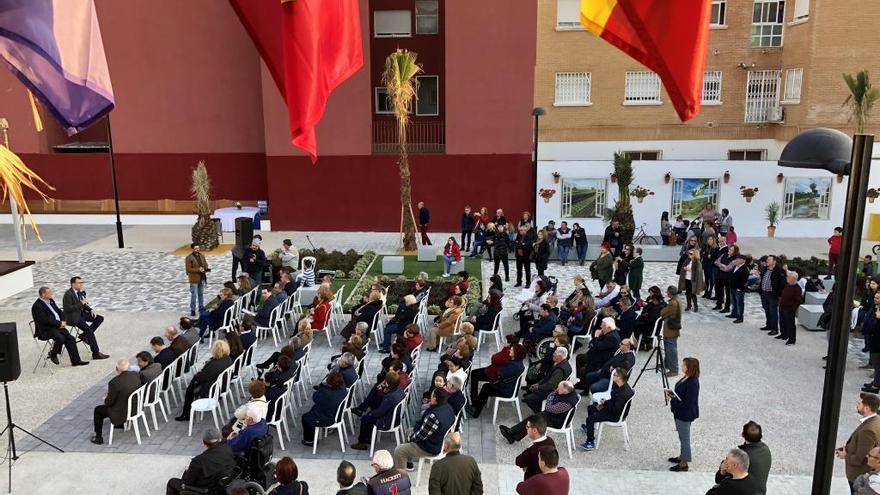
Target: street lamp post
(835,152)
(537,112)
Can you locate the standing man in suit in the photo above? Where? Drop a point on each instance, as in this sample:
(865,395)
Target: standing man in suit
(771,284)
(78,313)
(49,324)
(424,219)
(536,430)
(115,405)
(865,437)
(457,473)
(197,275)
(737,280)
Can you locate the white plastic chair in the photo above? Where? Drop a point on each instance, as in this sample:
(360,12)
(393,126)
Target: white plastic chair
(134,412)
(621,423)
(456,331)
(336,311)
(166,388)
(277,420)
(377,329)
(606,395)
(228,321)
(275,325)
(567,427)
(514,398)
(587,335)
(396,426)
(247,366)
(496,331)
(192,357)
(338,425)
(430,460)
(212,402)
(180,374)
(153,397)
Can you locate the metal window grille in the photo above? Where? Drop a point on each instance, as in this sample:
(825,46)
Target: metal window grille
(762,93)
(793,81)
(712,86)
(573,88)
(642,88)
(719,11)
(768,18)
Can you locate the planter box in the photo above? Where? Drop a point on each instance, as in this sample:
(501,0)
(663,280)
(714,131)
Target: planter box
(427,253)
(808,316)
(392,264)
(457,266)
(815,297)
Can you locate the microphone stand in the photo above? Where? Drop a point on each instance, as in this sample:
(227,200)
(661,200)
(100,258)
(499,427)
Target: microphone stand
(11,453)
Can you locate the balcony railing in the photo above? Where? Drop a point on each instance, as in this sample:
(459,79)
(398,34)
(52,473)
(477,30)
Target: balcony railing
(421,136)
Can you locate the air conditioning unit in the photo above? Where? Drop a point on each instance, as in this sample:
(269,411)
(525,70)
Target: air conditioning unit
(775,114)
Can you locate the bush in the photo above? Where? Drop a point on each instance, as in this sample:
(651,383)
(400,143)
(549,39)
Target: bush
(339,274)
(333,260)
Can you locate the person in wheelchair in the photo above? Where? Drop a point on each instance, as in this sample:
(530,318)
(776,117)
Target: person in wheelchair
(206,470)
(255,427)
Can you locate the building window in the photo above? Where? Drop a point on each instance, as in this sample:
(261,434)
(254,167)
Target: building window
(392,23)
(689,196)
(767,22)
(383,103)
(793,81)
(719,11)
(807,198)
(568,15)
(749,155)
(642,155)
(583,198)
(801,10)
(642,88)
(427,17)
(712,87)
(428,98)
(572,89)
(762,95)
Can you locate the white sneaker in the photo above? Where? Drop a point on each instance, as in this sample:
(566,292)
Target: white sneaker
(445,274)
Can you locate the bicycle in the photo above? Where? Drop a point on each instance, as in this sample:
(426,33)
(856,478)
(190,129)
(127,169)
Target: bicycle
(642,237)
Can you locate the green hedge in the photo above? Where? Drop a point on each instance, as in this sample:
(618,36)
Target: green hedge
(349,264)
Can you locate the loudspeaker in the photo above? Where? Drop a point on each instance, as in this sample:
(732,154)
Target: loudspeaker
(10,366)
(244,231)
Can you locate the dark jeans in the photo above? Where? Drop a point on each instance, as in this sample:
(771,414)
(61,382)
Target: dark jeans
(665,239)
(534,399)
(738,304)
(423,229)
(366,433)
(389,332)
(88,330)
(236,262)
(709,276)
(490,389)
(523,265)
(174,486)
(102,412)
(786,324)
(190,395)
(582,253)
(540,266)
(466,240)
(770,303)
(502,260)
(594,415)
(722,294)
(832,263)
(62,337)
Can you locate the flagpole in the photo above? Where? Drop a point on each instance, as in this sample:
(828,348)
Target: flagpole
(13,206)
(119,237)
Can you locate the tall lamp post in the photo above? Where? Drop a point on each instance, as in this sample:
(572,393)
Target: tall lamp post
(537,112)
(834,151)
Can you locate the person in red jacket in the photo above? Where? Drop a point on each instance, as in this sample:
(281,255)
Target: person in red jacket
(833,251)
(553,478)
(451,254)
(460,287)
(788,306)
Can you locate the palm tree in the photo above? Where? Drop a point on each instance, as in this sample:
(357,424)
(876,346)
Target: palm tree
(622,209)
(399,79)
(204,232)
(861,98)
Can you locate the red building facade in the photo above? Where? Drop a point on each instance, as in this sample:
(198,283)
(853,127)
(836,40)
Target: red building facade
(191,87)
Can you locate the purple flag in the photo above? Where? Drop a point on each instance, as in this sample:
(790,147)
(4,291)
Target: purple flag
(54,47)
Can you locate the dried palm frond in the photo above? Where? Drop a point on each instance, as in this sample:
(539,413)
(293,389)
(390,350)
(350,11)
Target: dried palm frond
(14,177)
(201,189)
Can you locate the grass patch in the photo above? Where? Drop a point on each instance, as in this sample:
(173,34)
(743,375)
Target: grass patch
(412,267)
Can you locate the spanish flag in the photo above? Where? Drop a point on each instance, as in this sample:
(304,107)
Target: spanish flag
(667,36)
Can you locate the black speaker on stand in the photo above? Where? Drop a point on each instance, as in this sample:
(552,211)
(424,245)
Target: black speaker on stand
(244,231)
(10,370)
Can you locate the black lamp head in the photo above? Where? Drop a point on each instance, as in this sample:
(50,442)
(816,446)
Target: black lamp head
(826,149)
(539,111)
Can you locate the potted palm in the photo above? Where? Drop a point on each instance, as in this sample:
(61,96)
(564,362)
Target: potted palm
(772,217)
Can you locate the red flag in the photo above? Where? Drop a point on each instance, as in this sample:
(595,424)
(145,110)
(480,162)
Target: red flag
(668,37)
(311,47)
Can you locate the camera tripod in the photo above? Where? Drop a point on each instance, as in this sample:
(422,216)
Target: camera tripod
(11,453)
(656,357)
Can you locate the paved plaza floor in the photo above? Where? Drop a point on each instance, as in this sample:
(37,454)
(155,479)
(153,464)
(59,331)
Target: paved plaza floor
(746,376)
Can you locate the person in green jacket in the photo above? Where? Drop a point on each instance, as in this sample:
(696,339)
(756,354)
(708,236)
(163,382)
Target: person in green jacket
(759,457)
(636,268)
(455,474)
(603,268)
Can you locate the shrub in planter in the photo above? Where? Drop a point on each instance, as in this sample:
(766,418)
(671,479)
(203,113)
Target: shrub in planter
(434,309)
(339,274)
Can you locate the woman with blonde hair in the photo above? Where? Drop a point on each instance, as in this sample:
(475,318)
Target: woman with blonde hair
(304,331)
(445,324)
(690,279)
(244,284)
(201,383)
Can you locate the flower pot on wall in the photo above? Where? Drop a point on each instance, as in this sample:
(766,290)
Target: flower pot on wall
(726,177)
(546,200)
(667,177)
(771,231)
(640,200)
(871,200)
(556,179)
(748,199)
(780,178)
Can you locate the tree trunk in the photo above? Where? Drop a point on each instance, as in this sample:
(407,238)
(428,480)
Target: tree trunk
(408,225)
(627,222)
(204,233)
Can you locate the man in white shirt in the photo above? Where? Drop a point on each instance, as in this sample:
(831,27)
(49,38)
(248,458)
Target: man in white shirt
(870,482)
(608,294)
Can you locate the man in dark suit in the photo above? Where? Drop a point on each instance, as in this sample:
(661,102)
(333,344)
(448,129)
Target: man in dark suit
(739,278)
(208,468)
(78,313)
(598,381)
(610,410)
(382,416)
(164,354)
(536,430)
(346,477)
(246,333)
(560,371)
(771,283)
(600,349)
(49,324)
(115,405)
(865,437)
(150,370)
